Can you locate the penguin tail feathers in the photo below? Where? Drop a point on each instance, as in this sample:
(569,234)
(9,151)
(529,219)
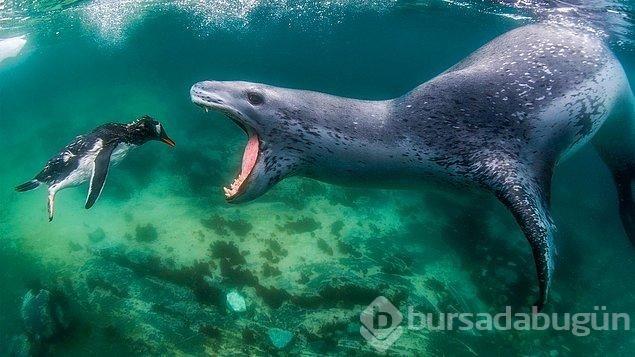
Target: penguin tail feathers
(27,186)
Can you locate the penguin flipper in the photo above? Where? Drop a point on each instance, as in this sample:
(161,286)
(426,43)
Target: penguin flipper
(100,172)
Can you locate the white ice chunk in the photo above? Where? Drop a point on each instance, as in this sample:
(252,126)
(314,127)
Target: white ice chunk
(11,47)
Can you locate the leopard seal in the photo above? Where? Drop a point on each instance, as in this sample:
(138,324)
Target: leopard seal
(501,119)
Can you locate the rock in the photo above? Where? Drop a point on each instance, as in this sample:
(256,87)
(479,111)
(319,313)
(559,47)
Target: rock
(20,347)
(235,302)
(220,225)
(97,235)
(43,317)
(146,234)
(332,285)
(149,304)
(302,225)
(151,314)
(392,264)
(506,276)
(36,314)
(280,338)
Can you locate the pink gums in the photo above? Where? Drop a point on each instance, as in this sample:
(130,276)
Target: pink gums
(250,157)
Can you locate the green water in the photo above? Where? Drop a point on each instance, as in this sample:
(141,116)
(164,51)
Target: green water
(308,257)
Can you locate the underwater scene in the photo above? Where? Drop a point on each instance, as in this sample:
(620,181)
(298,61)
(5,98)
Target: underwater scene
(214,236)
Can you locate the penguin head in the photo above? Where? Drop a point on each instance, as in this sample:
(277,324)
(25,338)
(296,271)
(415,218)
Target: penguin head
(146,128)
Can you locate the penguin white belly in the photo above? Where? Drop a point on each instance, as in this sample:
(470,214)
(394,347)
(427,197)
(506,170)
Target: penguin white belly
(120,152)
(86,165)
(84,169)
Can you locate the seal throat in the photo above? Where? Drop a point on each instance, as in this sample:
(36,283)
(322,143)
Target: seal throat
(250,157)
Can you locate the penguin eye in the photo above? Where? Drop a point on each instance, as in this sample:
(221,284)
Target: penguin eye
(255,98)
(157,128)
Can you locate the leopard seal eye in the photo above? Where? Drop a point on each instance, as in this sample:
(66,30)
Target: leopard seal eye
(255,98)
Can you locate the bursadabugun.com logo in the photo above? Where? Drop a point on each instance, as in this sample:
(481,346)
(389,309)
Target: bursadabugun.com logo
(381,322)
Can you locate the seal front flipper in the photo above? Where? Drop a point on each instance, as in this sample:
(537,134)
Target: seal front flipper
(526,194)
(100,172)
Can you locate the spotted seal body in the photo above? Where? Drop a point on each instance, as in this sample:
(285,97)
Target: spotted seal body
(501,120)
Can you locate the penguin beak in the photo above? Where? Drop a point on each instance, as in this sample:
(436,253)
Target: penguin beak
(167,140)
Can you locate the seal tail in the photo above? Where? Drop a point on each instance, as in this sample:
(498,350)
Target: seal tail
(615,142)
(27,186)
(624,182)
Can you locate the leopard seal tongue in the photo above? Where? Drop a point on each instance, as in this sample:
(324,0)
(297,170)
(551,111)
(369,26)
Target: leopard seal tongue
(501,120)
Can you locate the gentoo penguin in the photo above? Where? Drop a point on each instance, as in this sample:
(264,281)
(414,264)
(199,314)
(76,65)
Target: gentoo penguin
(90,155)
